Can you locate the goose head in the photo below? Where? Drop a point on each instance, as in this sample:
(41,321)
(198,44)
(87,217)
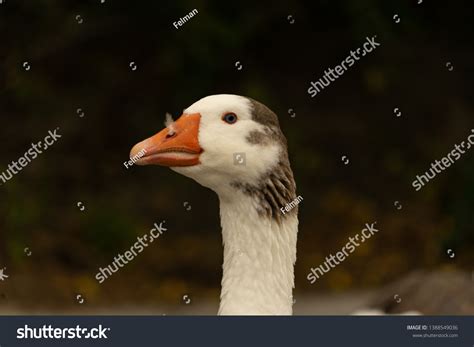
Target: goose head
(234,146)
(220,141)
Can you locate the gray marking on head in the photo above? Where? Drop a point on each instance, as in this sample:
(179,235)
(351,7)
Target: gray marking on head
(257,137)
(266,117)
(276,187)
(263,115)
(263,138)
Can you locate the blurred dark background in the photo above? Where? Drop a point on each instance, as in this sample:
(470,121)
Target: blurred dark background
(87,66)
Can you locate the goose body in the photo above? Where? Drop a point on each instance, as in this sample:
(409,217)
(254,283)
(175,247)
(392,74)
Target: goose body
(259,240)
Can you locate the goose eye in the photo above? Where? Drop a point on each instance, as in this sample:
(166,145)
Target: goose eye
(229,118)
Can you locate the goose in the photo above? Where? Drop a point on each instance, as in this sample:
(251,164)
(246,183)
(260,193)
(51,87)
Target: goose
(234,145)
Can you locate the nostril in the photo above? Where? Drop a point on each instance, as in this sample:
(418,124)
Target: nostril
(170,134)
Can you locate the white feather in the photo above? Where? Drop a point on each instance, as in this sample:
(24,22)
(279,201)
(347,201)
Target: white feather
(170,125)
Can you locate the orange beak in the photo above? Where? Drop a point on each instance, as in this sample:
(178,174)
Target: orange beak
(179,147)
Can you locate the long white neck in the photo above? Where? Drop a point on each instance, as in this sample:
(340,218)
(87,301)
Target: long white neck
(259,256)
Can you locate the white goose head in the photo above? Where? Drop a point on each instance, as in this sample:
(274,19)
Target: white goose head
(259,239)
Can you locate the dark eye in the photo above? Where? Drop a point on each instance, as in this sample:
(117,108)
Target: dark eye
(229,118)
